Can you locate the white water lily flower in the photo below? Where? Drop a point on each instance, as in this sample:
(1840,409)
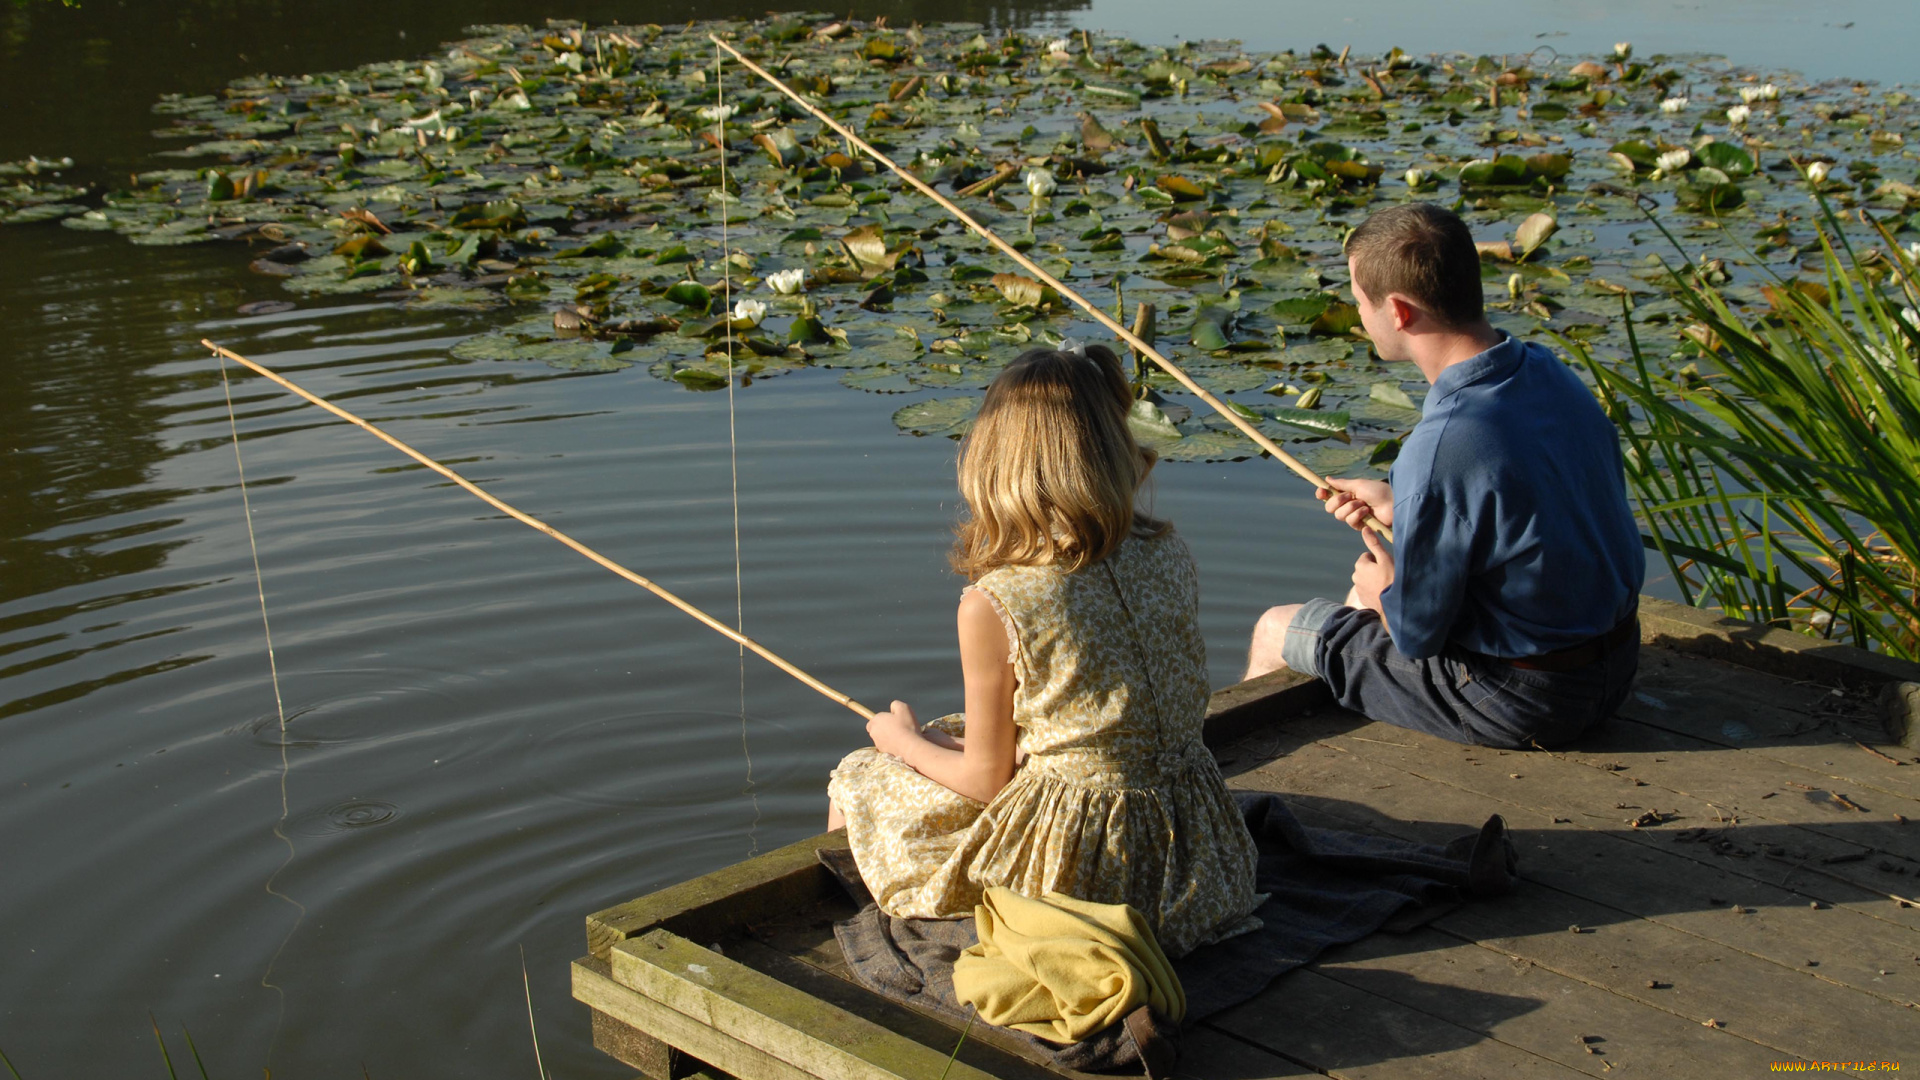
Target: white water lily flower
(1622,50)
(516,100)
(1769,92)
(1039,183)
(1911,316)
(1750,94)
(1738,115)
(1817,172)
(1059,45)
(749,311)
(787,282)
(1913,255)
(1674,160)
(1673,104)
(1416,177)
(717,114)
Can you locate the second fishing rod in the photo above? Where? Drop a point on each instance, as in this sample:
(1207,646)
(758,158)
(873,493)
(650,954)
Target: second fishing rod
(1145,348)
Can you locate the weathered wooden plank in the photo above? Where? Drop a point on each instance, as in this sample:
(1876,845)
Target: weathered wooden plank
(818,1038)
(710,906)
(1797,724)
(1580,1026)
(810,969)
(1235,710)
(630,1046)
(1635,880)
(1704,981)
(1354,1034)
(594,985)
(1757,788)
(1210,1054)
(1778,652)
(1532,785)
(1770,988)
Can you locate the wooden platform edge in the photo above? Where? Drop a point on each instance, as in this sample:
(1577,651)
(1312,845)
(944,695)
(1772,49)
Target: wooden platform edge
(1790,655)
(753,1008)
(708,906)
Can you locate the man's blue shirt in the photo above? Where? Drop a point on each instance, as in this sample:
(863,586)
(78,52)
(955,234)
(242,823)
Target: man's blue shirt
(1513,536)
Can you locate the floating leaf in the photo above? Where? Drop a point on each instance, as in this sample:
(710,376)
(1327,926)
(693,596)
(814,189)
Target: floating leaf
(1336,320)
(1729,158)
(1180,187)
(1210,328)
(1390,394)
(1022,290)
(1534,231)
(1709,198)
(1208,446)
(690,294)
(883,379)
(938,416)
(1327,422)
(1301,310)
(1149,422)
(1503,171)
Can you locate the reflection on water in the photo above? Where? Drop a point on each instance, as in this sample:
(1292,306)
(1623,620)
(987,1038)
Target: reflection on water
(486,737)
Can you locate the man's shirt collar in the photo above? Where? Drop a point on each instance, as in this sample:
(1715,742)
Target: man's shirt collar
(1495,363)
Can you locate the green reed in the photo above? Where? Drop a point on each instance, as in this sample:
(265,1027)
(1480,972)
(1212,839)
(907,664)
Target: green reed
(1783,484)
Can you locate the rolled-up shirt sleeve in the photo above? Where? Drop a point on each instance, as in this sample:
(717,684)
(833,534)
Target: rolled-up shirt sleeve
(1432,556)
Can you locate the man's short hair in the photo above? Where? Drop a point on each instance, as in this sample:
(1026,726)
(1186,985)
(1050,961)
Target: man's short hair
(1426,254)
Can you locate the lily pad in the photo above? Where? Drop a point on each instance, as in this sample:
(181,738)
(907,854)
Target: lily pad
(575,166)
(1390,394)
(952,416)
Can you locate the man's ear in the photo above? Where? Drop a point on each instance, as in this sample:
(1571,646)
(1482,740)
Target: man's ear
(1405,311)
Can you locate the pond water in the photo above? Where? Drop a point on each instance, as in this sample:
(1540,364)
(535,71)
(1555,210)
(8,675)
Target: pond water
(486,736)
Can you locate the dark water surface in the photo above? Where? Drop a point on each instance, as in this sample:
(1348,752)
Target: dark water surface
(486,737)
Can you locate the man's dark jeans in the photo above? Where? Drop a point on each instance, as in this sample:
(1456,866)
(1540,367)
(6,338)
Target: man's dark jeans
(1459,696)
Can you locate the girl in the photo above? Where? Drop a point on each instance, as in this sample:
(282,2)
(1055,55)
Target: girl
(1078,766)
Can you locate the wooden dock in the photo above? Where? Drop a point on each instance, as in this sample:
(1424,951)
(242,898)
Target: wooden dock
(1724,877)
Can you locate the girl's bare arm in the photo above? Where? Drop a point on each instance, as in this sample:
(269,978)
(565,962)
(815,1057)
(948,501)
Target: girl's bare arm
(979,765)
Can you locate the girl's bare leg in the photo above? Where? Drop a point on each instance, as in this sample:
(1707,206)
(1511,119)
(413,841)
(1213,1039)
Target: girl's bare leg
(835,820)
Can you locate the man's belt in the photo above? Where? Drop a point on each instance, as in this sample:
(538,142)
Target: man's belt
(1574,657)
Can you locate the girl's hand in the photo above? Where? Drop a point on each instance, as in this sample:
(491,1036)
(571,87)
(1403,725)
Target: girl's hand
(895,731)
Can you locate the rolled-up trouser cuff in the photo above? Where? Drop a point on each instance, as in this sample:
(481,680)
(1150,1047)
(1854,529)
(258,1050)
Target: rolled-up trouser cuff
(1301,647)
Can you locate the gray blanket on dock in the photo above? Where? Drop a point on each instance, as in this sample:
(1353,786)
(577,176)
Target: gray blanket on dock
(1326,887)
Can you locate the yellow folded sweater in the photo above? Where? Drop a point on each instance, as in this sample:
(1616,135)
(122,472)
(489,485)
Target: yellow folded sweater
(1061,968)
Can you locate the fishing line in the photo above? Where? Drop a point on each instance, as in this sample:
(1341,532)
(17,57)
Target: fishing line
(280,709)
(733,442)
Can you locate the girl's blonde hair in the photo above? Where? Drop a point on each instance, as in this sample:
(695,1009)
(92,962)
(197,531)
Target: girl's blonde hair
(1050,470)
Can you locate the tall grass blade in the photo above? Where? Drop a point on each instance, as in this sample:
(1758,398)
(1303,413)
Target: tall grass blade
(951,1058)
(1784,485)
(195,1051)
(4,1060)
(164,1056)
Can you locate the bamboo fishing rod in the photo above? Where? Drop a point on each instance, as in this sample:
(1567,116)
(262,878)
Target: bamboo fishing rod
(535,523)
(1054,283)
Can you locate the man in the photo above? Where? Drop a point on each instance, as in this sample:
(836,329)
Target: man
(1505,615)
